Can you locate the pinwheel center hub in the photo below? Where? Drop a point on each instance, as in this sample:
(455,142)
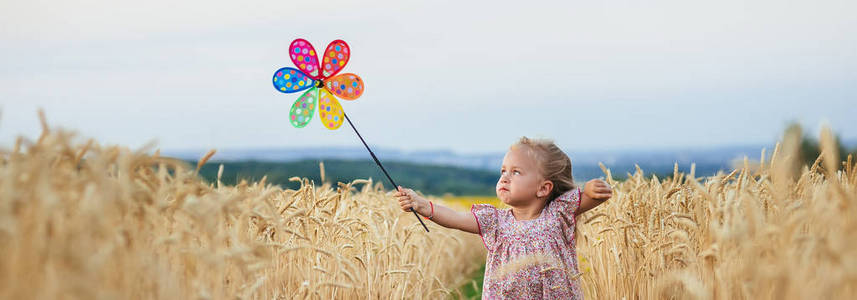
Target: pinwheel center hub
(319,83)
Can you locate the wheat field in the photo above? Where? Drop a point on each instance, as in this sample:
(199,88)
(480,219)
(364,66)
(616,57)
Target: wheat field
(770,229)
(79,220)
(84,221)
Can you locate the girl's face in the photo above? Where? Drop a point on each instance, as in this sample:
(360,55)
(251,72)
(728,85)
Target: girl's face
(520,179)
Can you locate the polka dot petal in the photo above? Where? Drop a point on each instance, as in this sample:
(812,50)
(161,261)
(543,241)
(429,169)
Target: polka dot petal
(306,58)
(291,80)
(303,109)
(330,112)
(339,51)
(347,86)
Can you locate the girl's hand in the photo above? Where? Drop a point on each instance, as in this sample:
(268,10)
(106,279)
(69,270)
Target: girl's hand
(597,189)
(409,199)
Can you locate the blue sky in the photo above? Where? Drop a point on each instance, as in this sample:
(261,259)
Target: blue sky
(466,76)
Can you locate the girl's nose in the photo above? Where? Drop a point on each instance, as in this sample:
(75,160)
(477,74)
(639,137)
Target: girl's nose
(504,178)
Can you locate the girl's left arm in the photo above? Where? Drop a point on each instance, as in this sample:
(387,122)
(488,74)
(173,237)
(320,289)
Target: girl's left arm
(595,192)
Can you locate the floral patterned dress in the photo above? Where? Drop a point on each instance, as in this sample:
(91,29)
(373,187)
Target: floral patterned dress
(531,259)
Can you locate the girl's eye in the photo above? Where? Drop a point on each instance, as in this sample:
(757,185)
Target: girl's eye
(517,172)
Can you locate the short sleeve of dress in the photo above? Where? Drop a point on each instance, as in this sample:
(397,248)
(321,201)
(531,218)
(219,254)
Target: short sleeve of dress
(567,203)
(563,207)
(488,221)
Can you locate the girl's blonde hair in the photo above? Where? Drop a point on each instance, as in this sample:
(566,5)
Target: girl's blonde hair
(553,164)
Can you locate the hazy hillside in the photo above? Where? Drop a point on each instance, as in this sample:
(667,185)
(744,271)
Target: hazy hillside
(439,171)
(708,161)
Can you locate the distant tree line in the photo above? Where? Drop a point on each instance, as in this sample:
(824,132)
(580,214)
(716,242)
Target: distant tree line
(429,179)
(435,179)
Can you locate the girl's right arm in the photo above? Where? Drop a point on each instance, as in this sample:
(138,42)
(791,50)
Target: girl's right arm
(443,216)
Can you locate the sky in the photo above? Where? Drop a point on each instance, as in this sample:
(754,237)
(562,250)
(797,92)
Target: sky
(468,76)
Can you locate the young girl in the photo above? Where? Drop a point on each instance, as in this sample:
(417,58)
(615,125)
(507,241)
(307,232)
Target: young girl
(531,244)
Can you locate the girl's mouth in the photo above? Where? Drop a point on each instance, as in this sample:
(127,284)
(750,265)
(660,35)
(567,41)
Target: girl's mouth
(503,189)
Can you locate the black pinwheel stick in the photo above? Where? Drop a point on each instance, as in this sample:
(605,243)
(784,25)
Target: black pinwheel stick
(382,167)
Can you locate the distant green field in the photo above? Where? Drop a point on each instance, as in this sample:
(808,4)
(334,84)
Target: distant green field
(429,179)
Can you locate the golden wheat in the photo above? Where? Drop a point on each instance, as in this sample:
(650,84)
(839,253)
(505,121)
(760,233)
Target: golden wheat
(86,221)
(92,222)
(767,230)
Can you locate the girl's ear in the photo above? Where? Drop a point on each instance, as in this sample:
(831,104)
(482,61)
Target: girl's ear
(545,189)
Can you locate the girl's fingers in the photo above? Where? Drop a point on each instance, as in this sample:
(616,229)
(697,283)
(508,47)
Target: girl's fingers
(405,198)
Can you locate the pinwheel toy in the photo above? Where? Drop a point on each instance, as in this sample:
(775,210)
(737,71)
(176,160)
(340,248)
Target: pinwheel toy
(318,78)
(319,82)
